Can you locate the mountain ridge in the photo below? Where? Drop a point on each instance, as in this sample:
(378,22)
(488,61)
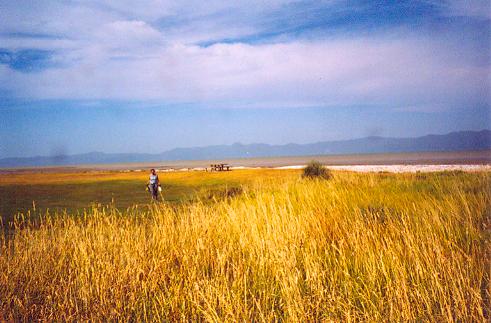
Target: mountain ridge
(453,141)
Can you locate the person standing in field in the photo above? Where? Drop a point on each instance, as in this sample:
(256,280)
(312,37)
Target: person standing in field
(153,184)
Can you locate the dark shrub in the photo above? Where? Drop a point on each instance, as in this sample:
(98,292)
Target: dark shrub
(316,170)
(222,193)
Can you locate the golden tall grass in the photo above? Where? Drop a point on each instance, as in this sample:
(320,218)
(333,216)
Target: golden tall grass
(362,247)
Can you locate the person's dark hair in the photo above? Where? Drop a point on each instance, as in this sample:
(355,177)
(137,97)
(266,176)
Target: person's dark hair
(152,170)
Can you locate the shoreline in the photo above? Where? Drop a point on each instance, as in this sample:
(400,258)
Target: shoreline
(401,168)
(414,161)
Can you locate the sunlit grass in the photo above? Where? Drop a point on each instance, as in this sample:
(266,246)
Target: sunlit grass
(376,247)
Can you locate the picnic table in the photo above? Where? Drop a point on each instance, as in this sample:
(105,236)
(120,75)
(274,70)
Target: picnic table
(219,167)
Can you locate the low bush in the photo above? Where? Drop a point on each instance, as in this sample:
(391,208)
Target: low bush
(316,170)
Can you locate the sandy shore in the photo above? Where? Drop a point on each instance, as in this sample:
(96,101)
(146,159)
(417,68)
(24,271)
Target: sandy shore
(396,162)
(363,168)
(401,168)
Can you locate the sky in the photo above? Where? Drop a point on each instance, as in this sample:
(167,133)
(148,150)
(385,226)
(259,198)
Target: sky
(151,75)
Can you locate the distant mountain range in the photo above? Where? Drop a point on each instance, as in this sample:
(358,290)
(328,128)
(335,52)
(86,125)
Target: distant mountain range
(454,141)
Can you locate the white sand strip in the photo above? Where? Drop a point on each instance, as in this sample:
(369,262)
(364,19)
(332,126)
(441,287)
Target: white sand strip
(400,168)
(355,168)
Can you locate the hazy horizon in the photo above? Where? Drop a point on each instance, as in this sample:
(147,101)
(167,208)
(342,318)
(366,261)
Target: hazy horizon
(121,77)
(453,142)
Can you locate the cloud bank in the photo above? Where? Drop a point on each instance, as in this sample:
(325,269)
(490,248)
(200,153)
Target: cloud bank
(248,54)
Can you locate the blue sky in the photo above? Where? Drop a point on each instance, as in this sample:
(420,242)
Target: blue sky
(147,76)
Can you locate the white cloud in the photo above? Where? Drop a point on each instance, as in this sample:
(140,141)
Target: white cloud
(357,71)
(148,51)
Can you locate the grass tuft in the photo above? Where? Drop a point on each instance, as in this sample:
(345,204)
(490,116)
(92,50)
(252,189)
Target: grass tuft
(316,170)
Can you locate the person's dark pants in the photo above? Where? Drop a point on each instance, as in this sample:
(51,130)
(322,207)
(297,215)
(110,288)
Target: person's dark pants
(154,190)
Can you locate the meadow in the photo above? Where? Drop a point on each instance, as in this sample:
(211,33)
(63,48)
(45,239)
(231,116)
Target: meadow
(39,192)
(253,245)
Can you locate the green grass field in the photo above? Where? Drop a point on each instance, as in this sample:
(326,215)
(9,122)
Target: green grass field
(252,245)
(75,192)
